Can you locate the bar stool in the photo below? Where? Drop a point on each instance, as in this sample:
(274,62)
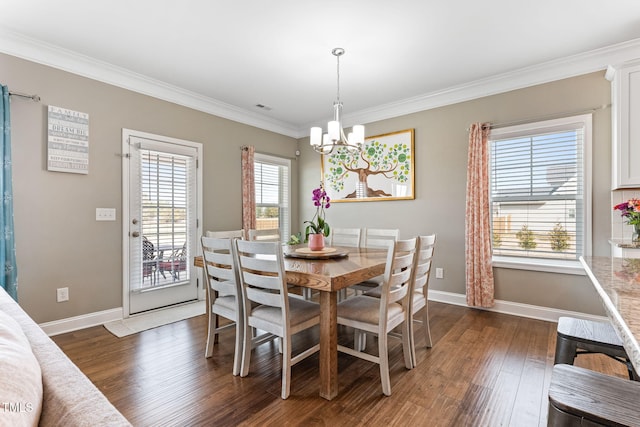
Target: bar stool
(581,397)
(578,336)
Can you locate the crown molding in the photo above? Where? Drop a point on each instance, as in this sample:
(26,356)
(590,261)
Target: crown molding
(37,51)
(23,47)
(571,66)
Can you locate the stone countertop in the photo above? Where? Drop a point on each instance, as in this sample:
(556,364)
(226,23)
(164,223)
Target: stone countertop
(617,281)
(625,243)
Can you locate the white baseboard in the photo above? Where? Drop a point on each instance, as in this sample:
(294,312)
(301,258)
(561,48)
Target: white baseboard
(71,324)
(514,308)
(506,307)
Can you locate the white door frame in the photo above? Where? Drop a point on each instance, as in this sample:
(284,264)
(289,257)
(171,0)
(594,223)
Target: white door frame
(126,219)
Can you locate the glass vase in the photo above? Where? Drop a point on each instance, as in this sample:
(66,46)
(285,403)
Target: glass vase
(635,236)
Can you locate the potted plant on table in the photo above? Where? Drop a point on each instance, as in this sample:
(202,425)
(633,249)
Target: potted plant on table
(318,228)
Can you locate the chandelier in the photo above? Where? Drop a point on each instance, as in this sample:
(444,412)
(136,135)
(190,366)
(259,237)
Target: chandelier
(335,136)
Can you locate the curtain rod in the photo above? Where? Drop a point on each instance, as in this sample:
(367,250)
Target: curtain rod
(244,147)
(547,117)
(34,98)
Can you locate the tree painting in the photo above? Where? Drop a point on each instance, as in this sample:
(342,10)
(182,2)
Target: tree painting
(385,160)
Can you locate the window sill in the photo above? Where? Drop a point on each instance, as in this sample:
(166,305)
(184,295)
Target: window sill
(546,265)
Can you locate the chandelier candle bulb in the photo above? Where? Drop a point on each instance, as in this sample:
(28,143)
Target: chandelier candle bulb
(325,140)
(334,130)
(316,136)
(358,134)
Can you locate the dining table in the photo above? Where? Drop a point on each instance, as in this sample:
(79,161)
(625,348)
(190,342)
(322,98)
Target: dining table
(328,272)
(617,282)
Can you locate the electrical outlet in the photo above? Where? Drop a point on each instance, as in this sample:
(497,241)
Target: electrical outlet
(439,273)
(62,294)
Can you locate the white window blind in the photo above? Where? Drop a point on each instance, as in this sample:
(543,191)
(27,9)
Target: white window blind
(272,188)
(167,205)
(538,189)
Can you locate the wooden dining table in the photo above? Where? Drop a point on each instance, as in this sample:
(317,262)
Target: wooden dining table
(328,276)
(617,282)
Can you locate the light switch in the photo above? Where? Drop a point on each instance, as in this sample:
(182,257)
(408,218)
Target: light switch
(105,214)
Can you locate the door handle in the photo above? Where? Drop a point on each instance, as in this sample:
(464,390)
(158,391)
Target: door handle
(135,234)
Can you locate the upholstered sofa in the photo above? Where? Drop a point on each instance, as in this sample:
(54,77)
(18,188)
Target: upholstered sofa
(39,385)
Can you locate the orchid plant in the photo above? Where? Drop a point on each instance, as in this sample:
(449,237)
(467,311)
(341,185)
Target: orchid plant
(317,225)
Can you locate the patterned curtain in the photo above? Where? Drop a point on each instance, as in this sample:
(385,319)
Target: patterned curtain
(479,271)
(248,190)
(8,280)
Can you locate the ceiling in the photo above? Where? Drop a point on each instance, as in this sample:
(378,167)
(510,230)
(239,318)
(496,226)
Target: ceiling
(225,57)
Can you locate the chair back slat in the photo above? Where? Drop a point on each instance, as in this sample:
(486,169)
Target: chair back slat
(230,234)
(264,264)
(399,285)
(261,280)
(262,297)
(224,288)
(349,237)
(379,237)
(403,259)
(268,235)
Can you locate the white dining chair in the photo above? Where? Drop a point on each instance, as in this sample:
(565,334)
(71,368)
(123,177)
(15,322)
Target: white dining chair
(268,307)
(379,316)
(223,295)
(346,237)
(375,238)
(419,292)
(230,234)
(266,235)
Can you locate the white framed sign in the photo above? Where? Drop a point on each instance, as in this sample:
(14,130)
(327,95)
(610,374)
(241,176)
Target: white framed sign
(68,141)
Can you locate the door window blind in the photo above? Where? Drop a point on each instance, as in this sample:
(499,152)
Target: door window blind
(167,206)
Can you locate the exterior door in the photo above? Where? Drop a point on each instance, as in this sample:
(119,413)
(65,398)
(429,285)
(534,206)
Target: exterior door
(160,220)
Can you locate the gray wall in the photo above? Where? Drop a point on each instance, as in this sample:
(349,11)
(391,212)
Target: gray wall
(441,141)
(59,243)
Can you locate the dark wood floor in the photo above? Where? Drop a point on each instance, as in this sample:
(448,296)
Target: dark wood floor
(485,369)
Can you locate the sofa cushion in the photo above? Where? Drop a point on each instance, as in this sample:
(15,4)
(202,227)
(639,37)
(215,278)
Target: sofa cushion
(21,385)
(69,397)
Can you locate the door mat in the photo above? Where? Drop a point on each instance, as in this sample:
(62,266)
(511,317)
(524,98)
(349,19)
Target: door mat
(153,319)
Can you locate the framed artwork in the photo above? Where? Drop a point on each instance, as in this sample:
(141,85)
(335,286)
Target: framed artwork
(384,170)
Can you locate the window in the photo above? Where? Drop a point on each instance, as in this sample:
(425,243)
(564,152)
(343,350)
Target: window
(540,194)
(272,193)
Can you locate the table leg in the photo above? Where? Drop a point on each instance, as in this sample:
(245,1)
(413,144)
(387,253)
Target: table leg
(328,345)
